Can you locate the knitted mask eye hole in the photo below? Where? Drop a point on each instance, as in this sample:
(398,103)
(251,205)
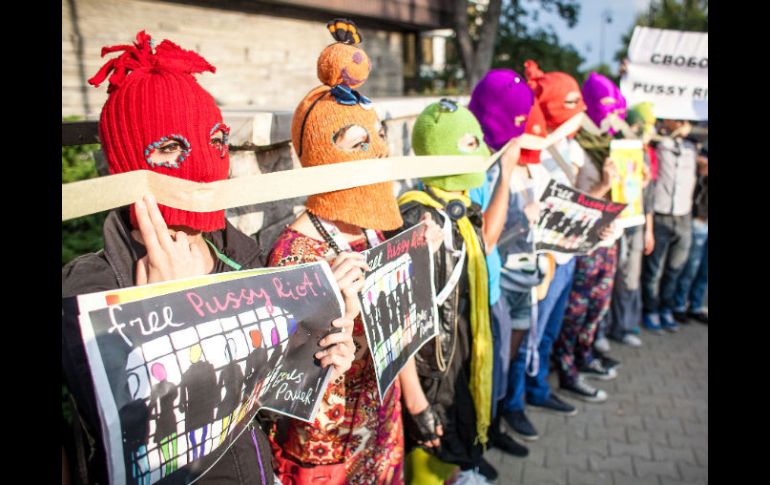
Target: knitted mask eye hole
(167,152)
(352,138)
(383,131)
(608,100)
(572,99)
(468,143)
(220,138)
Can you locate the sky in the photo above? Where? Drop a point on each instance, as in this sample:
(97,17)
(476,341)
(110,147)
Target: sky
(585,36)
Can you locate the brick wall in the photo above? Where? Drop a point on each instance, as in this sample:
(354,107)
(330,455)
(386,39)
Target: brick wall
(262,60)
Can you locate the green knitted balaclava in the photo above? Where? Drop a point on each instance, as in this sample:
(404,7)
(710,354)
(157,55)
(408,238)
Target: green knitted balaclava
(442,129)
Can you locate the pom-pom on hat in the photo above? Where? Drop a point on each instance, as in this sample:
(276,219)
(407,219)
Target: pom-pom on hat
(444,128)
(157,117)
(501,102)
(322,119)
(551,91)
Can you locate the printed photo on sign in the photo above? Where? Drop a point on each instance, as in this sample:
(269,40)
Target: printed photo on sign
(571,221)
(628,187)
(397,302)
(180,372)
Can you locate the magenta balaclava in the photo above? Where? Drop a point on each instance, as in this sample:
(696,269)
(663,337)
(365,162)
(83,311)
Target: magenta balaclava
(595,89)
(501,102)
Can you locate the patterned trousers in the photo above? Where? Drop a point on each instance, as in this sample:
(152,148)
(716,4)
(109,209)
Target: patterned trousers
(589,301)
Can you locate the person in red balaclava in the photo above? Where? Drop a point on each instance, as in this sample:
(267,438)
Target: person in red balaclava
(157,117)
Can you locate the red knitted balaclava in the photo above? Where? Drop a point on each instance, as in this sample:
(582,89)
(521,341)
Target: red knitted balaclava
(153,98)
(551,90)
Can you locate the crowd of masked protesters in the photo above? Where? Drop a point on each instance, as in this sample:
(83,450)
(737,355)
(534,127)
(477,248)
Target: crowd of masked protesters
(507,317)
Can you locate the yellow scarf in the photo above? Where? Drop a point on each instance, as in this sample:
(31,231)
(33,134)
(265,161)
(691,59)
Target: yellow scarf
(481,351)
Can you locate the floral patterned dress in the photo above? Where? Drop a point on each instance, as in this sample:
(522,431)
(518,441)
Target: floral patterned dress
(351,425)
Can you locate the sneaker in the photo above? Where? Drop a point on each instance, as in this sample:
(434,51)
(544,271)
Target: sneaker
(521,425)
(556,405)
(585,392)
(667,322)
(505,443)
(701,317)
(631,340)
(470,477)
(487,470)
(636,330)
(651,322)
(596,370)
(609,363)
(680,317)
(602,344)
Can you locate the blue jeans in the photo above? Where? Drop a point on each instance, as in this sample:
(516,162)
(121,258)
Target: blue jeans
(661,269)
(691,286)
(550,313)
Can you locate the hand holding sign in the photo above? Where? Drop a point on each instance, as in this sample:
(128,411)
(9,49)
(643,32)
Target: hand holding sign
(340,349)
(532,211)
(348,269)
(607,232)
(170,254)
(609,173)
(510,157)
(433,233)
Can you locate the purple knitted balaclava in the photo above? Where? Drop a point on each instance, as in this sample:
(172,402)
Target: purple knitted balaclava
(595,89)
(501,102)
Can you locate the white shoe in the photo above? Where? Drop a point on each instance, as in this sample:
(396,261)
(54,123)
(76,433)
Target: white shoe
(632,340)
(602,345)
(471,477)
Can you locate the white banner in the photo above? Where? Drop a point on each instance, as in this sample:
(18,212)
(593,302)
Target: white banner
(670,69)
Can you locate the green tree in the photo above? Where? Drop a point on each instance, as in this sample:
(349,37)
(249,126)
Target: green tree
(688,15)
(517,42)
(84,234)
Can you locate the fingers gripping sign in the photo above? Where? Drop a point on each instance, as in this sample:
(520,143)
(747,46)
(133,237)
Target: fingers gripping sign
(339,348)
(348,269)
(433,233)
(170,254)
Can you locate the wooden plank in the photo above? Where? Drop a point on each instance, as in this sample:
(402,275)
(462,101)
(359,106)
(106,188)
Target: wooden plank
(79,132)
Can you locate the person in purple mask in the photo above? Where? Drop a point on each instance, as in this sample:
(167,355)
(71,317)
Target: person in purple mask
(501,102)
(603,100)
(589,298)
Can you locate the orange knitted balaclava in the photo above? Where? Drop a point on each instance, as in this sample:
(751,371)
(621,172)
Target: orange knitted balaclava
(325,114)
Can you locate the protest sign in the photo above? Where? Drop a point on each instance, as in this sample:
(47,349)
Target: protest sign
(627,187)
(397,302)
(181,368)
(571,221)
(670,69)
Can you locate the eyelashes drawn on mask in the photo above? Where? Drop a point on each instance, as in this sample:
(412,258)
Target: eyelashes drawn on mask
(219,138)
(352,138)
(169,151)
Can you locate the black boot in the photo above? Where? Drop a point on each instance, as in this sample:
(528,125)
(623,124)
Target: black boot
(504,442)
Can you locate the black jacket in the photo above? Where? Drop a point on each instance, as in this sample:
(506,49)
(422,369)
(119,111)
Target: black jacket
(444,363)
(113,268)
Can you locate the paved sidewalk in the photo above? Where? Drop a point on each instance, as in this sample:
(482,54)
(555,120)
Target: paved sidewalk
(653,429)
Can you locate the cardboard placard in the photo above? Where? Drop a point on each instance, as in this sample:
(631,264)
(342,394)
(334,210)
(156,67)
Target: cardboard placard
(397,302)
(181,368)
(571,221)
